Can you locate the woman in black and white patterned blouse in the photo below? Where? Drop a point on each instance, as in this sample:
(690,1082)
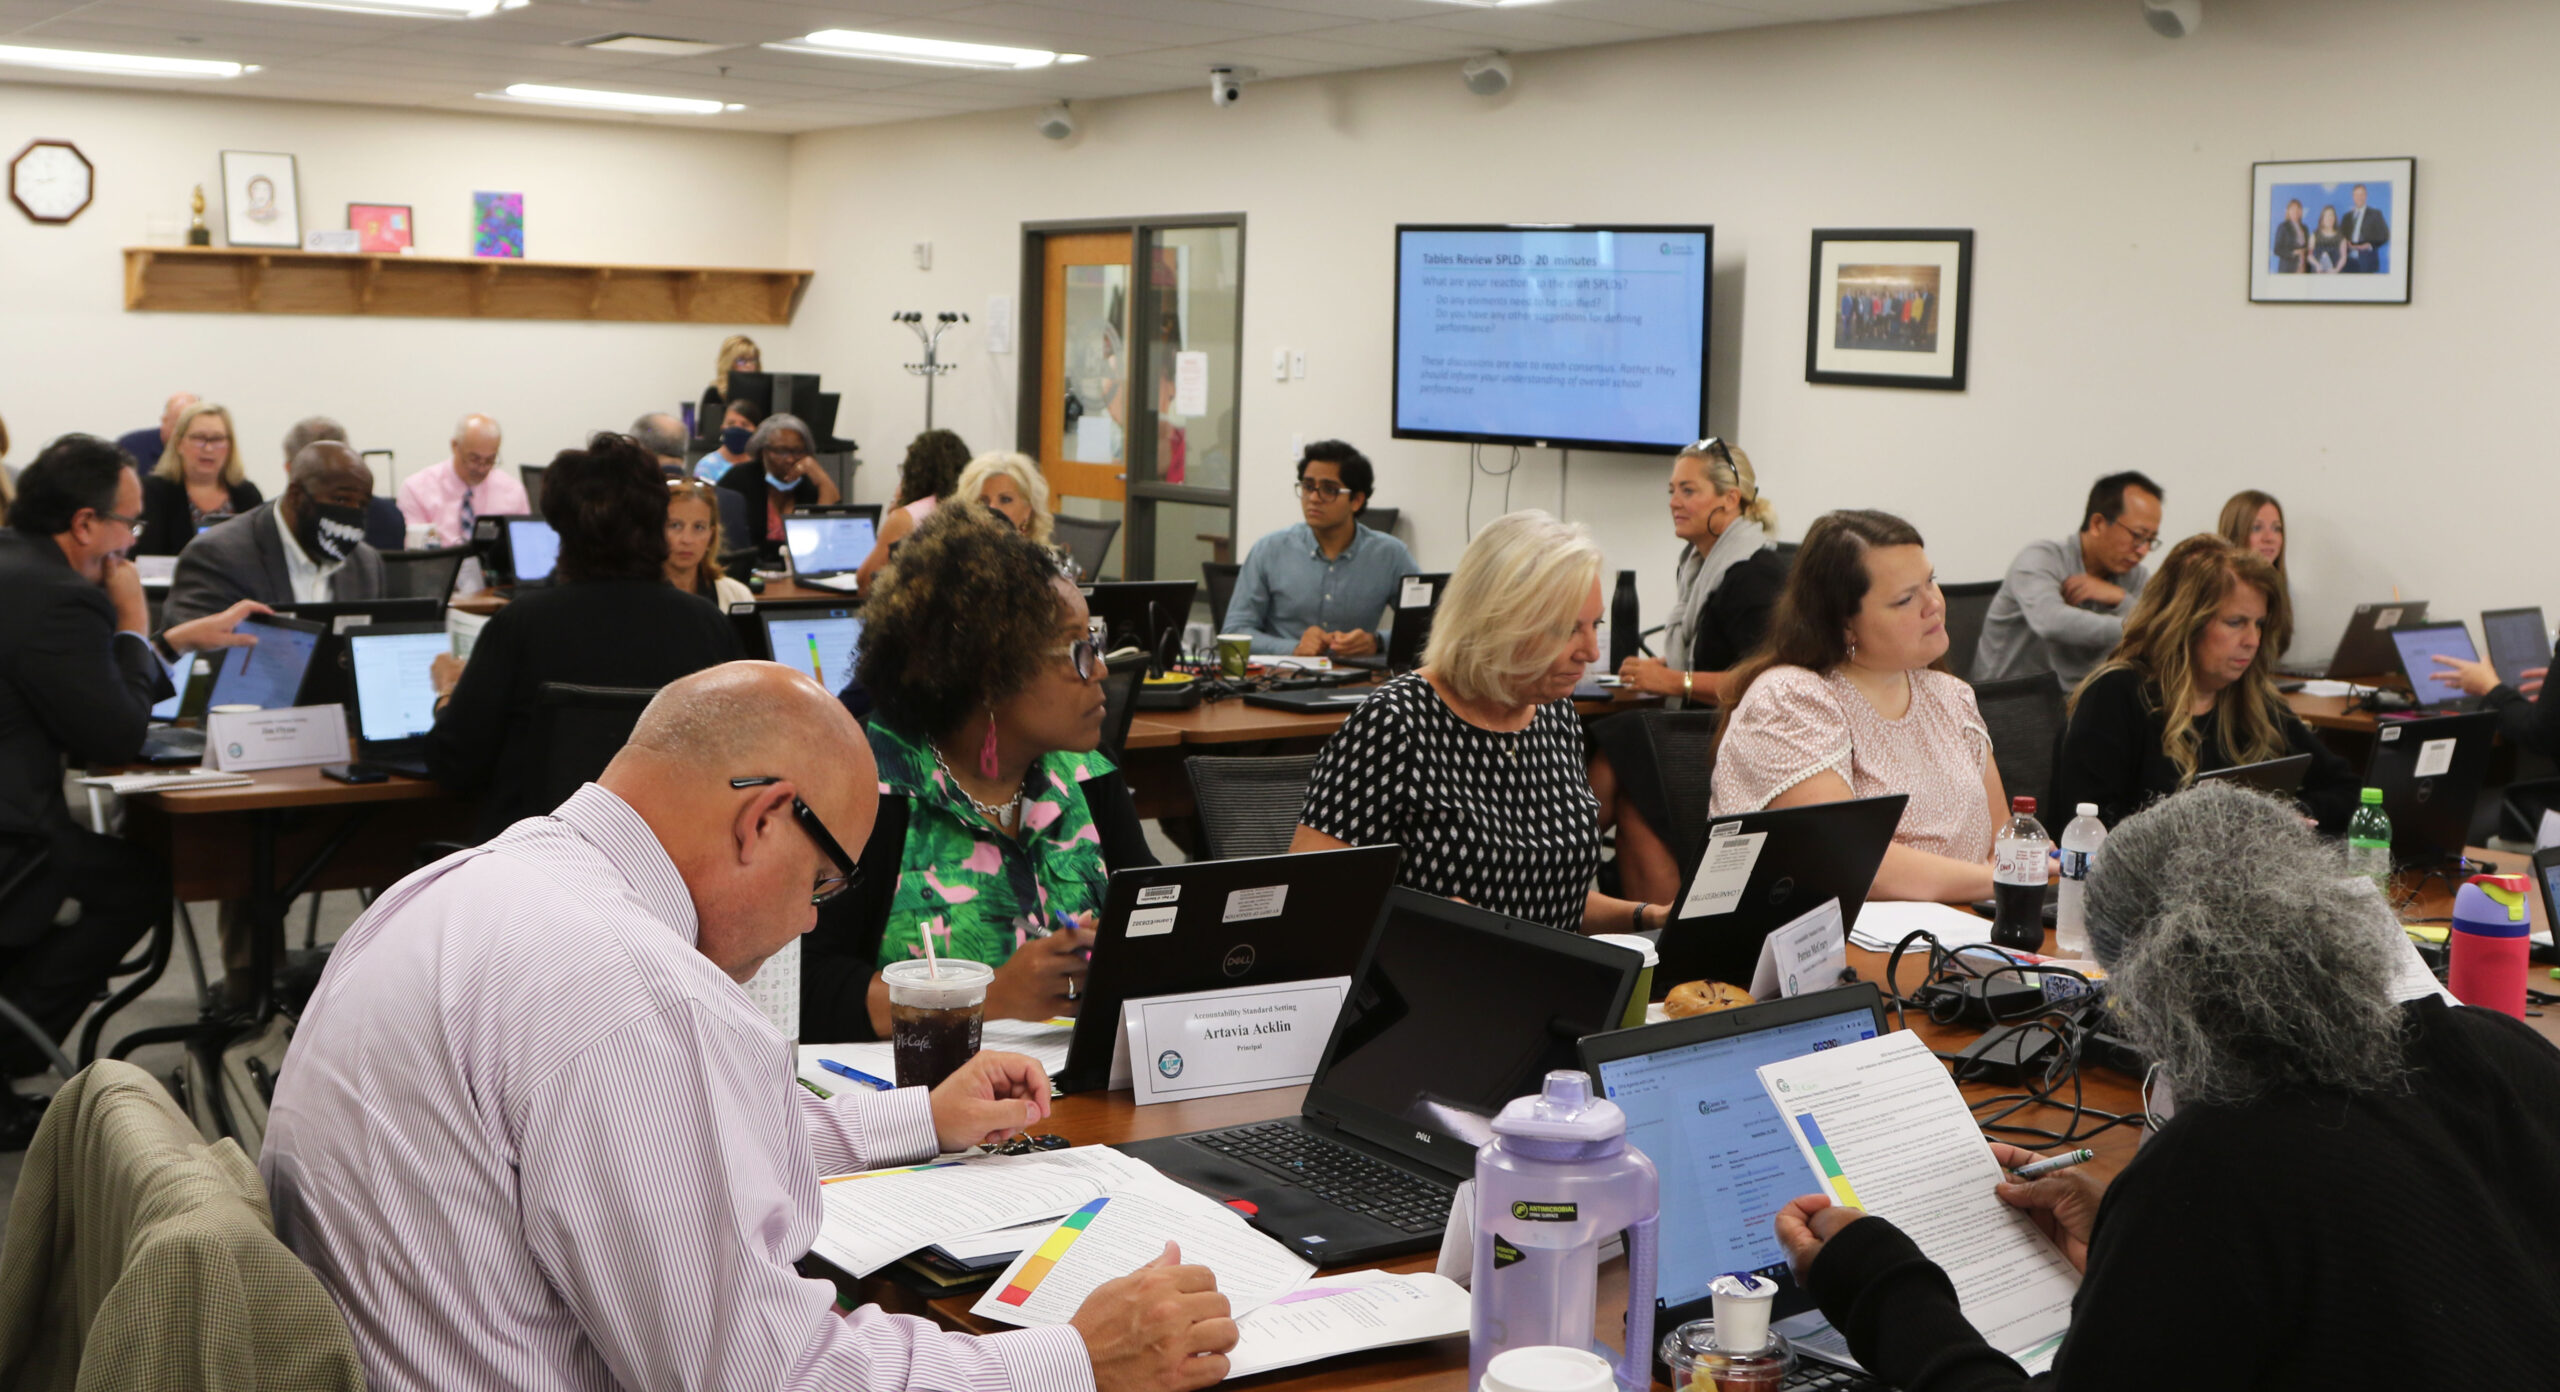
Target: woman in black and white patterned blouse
(1475,763)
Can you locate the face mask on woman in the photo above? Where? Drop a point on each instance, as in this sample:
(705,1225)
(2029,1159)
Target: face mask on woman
(734,439)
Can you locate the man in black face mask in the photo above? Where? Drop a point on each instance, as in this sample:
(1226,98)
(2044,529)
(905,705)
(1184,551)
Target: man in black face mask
(305,546)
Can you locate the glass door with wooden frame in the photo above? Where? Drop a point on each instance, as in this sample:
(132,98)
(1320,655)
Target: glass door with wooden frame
(1085,364)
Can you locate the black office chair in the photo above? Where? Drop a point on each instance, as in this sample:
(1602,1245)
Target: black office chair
(1248,807)
(1218,581)
(422,574)
(1088,539)
(1378,519)
(1967,604)
(1120,701)
(384,528)
(24,860)
(1684,759)
(532,474)
(578,729)
(2025,717)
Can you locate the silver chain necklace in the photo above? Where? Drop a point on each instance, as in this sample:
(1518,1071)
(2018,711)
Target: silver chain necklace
(1004,816)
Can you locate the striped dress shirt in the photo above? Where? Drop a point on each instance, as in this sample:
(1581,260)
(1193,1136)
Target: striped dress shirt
(530,1137)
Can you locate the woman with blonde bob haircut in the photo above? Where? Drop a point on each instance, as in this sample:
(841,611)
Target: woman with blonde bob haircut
(1474,763)
(2191,689)
(1010,484)
(199,476)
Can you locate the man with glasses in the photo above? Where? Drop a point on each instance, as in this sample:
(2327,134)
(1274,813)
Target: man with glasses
(1317,588)
(534,1134)
(450,496)
(2063,605)
(78,678)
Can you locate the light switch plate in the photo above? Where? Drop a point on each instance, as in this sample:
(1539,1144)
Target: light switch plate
(924,256)
(1298,364)
(1280,364)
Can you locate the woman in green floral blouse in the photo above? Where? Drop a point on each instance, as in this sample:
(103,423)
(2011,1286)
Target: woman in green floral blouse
(998,824)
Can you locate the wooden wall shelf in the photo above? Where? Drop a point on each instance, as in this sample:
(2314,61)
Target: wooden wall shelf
(247,280)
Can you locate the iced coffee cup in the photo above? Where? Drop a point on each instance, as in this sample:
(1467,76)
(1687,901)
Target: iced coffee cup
(935,1011)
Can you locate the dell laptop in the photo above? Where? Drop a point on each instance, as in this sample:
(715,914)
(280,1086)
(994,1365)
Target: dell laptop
(1453,1012)
(1409,632)
(1762,870)
(1691,1091)
(268,675)
(330,683)
(1325,700)
(831,543)
(2364,651)
(2430,770)
(395,692)
(2414,650)
(1170,929)
(2518,643)
(2283,775)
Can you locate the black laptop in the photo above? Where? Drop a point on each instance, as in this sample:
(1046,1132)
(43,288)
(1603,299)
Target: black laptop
(269,675)
(1796,857)
(2430,771)
(1417,599)
(395,693)
(2364,650)
(1329,700)
(2517,641)
(2414,650)
(330,683)
(1210,924)
(1691,1091)
(2283,775)
(527,553)
(1148,615)
(1454,1012)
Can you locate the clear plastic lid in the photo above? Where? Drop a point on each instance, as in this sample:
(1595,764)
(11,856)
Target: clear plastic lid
(1697,1360)
(1563,1110)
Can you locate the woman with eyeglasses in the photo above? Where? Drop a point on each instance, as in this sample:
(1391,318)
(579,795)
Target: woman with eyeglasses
(999,823)
(788,479)
(199,475)
(2322,1116)
(1730,575)
(1318,588)
(694,545)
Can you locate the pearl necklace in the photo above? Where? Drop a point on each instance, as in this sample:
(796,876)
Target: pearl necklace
(1004,817)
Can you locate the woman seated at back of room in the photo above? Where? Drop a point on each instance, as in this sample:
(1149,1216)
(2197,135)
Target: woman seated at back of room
(738,422)
(998,822)
(1730,576)
(1011,486)
(931,470)
(787,477)
(2254,522)
(611,619)
(2191,688)
(1474,763)
(1846,701)
(694,544)
(2325,1125)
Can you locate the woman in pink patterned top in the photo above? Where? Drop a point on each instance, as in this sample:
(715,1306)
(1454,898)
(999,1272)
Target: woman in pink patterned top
(1844,701)
(933,464)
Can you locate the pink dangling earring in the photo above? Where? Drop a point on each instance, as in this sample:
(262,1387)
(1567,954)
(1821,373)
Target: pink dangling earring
(987,752)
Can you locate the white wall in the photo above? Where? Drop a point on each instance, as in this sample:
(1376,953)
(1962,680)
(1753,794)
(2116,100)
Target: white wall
(2105,170)
(71,358)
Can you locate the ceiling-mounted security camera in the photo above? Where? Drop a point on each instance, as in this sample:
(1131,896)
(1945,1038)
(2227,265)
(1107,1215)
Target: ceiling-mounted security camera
(1226,84)
(1488,76)
(1055,123)
(2173,19)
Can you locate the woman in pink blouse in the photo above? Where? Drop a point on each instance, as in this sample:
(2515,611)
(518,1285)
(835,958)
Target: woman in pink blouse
(1844,700)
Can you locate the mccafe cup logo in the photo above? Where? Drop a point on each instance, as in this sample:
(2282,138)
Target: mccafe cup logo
(1169,1064)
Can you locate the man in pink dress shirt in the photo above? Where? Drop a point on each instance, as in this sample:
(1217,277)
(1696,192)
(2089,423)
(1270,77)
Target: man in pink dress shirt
(465,487)
(535,1136)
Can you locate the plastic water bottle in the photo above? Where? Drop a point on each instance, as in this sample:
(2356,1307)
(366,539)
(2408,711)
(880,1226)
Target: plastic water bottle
(2489,945)
(2369,843)
(2080,843)
(1558,1179)
(2020,861)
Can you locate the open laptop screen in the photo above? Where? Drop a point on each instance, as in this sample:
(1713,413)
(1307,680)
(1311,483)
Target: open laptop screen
(1727,1163)
(829,544)
(533,549)
(820,642)
(1452,1021)
(395,693)
(268,675)
(2517,642)
(2418,645)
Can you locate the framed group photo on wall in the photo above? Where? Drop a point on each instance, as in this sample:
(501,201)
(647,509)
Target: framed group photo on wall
(2331,231)
(1890,308)
(261,200)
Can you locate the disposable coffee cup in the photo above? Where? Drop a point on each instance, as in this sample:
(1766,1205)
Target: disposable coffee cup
(417,536)
(934,1020)
(1548,1368)
(1642,947)
(1235,653)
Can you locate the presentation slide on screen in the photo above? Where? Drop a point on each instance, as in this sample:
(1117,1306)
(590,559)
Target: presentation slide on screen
(1552,335)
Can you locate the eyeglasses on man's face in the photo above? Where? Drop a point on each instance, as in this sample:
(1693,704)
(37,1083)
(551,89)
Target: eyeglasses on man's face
(827,886)
(1322,490)
(2144,541)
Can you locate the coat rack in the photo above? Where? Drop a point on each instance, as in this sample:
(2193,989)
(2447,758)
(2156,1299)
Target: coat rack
(932,366)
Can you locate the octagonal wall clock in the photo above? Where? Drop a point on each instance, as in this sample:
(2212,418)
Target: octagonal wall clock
(51,181)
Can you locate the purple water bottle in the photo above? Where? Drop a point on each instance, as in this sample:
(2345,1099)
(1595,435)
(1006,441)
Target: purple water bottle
(1555,1181)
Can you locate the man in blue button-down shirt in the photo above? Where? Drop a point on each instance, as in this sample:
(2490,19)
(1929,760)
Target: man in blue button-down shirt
(1319,587)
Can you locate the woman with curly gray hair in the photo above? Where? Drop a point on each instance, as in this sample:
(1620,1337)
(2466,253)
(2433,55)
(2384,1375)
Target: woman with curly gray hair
(2351,1160)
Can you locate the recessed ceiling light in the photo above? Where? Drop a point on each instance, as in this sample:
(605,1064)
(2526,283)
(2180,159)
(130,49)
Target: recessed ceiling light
(641,102)
(650,44)
(404,9)
(938,53)
(127,64)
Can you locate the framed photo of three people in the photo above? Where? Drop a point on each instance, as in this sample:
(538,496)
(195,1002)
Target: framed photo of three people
(2331,231)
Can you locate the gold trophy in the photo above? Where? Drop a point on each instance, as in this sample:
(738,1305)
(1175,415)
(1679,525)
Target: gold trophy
(197,233)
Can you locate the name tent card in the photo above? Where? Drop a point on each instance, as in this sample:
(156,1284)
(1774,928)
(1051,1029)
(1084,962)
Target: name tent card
(1241,1039)
(239,741)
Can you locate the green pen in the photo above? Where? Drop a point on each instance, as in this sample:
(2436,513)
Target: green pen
(823,1094)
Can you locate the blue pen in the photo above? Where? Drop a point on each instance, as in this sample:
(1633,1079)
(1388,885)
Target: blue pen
(857,1075)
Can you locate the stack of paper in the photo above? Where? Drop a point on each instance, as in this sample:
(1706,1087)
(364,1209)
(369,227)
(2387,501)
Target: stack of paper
(1115,1233)
(167,781)
(1884,923)
(875,1217)
(1346,1313)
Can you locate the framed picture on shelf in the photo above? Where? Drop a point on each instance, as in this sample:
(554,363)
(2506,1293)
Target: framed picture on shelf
(1890,308)
(261,200)
(382,226)
(497,224)
(2331,231)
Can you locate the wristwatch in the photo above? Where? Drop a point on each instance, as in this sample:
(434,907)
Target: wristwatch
(1689,685)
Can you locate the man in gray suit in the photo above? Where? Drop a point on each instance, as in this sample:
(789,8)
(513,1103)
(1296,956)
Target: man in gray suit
(305,546)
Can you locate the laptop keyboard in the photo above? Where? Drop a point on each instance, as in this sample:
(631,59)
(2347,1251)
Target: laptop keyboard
(1337,1174)
(1813,1375)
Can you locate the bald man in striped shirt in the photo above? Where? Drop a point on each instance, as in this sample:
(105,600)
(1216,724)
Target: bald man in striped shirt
(533,1135)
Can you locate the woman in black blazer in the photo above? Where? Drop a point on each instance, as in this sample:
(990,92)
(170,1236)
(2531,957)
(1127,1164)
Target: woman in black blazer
(197,476)
(1730,577)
